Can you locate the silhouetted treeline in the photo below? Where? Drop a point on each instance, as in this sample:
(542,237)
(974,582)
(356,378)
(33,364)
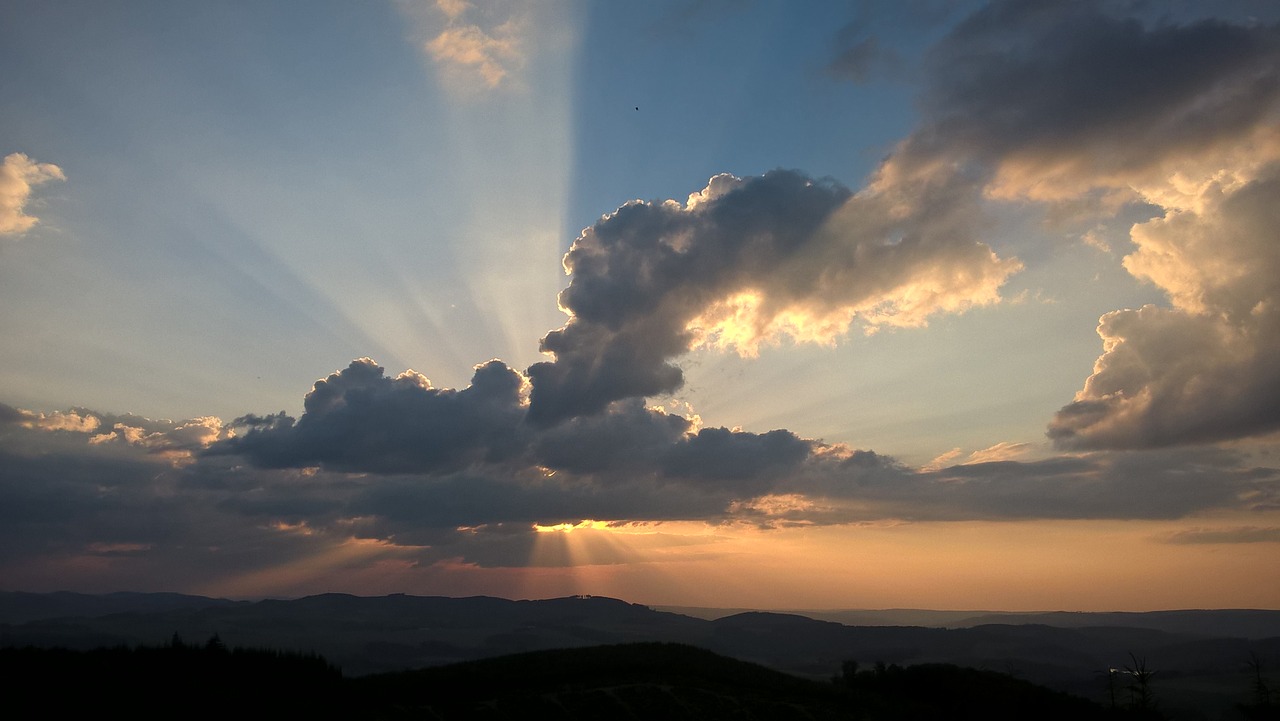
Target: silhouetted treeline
(944,691)
(629,681)
(174,681)
(674,681)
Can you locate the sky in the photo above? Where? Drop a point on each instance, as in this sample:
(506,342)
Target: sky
(736,303)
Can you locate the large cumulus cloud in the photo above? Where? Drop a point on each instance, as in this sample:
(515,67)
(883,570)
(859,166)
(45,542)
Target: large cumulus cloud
(1080,104)
(1207,156)
(750,261)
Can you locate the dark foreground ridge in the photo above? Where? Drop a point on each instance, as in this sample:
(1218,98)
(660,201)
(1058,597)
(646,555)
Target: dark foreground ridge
(1206,665)
(630,681)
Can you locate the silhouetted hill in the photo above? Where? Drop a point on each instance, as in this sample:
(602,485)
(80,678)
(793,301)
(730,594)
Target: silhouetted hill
(644,681)
(632,681)
(1241,623)
(675,681)
(364,635)
(172,681)
(20,607)
(372,634)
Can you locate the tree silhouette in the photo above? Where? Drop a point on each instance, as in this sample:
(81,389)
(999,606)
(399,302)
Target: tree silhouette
(1262,709)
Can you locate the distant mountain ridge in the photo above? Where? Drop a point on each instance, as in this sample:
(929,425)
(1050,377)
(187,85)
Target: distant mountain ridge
(1231,622)
(366,635)
(20,606)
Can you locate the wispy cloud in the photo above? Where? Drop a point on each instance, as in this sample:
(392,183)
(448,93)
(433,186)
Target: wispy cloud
(1241,534)
(479,45)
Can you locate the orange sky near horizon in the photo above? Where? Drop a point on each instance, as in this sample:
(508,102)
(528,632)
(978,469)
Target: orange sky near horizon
(963,565)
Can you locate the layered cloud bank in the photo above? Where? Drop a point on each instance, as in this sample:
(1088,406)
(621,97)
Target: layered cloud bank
(1058,107)
(357,468)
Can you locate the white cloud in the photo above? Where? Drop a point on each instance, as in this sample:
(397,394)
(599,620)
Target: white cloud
(62,421)
(473,45)
(470,49)
(1203,370)
(1087,112)
(18,175)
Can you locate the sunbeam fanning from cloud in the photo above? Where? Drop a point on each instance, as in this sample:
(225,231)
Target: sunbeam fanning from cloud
(749,304)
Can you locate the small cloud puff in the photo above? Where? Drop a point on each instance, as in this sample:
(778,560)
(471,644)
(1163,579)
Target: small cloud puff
(473,45)
(18,176)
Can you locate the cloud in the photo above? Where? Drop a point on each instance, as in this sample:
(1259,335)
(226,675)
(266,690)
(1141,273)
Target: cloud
(859,59)
(1133,484)
(358,419)
(468,48)
(1169,377)
(1062,98)
(119,509)
(1241,534)
(473,45)
(1002,451)
(1204,369)
(746,262)
(9,414)
(60,431)
(869,47)
(62,421)
(1089,111)
(18,175)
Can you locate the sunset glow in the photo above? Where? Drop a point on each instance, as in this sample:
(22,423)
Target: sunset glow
(832,305)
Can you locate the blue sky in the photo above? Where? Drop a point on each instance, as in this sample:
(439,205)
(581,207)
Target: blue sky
(880,315)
